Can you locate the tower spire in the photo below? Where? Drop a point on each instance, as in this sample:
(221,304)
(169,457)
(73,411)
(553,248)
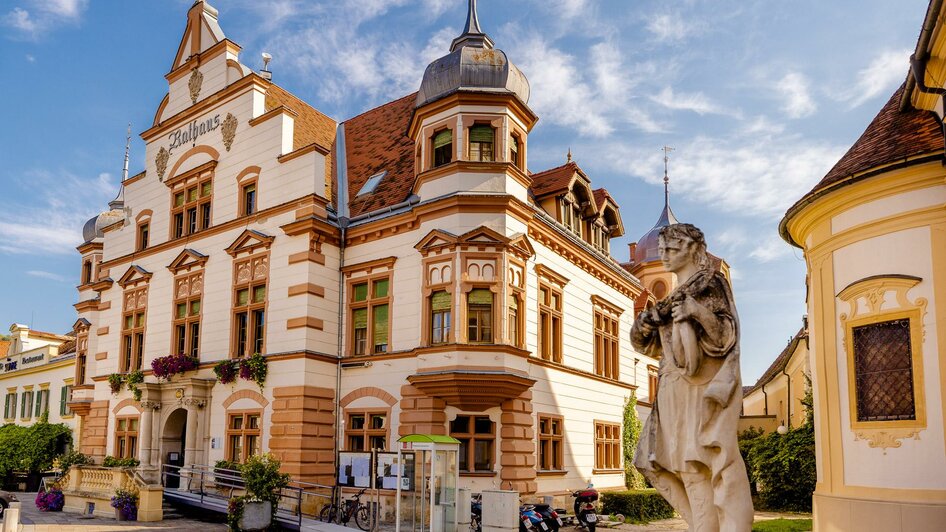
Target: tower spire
(667,150)
(119,201)
(472,34)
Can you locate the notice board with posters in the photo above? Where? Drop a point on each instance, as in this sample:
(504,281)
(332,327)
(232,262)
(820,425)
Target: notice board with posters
(387,468)
(354,469)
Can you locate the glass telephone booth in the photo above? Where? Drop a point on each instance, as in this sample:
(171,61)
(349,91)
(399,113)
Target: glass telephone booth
(427,492)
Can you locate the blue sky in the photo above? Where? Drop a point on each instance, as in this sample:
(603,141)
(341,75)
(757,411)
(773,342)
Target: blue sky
(758,98)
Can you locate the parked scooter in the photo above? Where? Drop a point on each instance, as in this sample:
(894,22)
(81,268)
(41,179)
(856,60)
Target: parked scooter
(585,508)
(531,520)
(550,516)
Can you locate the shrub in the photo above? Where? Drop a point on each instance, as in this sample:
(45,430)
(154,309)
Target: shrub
(111,461)
(50,501)
(639,506)
(747,440)
(633,479)
(72,458)
(32,448)
(783,466)
(263,483)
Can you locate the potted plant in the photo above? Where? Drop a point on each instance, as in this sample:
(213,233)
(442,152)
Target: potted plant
(51,500)
(115,381)
(126,505)
(253,368)
(133,380)
(227,474)
(226,371)
(169,366)
(255,510)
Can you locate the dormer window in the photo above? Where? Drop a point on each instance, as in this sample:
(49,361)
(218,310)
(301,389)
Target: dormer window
(443,147)
(571,216)
(481,143)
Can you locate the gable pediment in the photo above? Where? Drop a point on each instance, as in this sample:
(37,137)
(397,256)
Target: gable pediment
(81,325)
(134,275)
(249,241)
(202,31)
(522,245)
(186,260)
(483,235)
(434,239)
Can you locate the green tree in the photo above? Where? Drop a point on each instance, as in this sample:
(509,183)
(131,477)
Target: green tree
(631,434)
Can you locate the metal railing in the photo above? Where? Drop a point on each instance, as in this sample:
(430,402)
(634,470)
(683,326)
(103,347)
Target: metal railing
(212,487)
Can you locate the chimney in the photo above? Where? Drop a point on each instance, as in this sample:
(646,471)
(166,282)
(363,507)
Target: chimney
(632,247)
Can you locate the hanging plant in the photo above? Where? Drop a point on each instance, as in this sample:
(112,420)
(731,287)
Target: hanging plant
(169,366)
(226,371)
(115,381)
(133,380)
(253,368)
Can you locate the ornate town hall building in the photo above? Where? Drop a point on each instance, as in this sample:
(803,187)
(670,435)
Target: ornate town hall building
(399,272)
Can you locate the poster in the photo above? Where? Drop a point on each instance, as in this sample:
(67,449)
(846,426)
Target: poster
(354,469)
(387,469)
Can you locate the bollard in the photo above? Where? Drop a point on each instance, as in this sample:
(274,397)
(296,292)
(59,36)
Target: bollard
(500,510)
(11,518)
(463,508)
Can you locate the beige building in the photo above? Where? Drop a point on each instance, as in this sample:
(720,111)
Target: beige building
(775,400)
(400,272)
(36,376)
(874,236)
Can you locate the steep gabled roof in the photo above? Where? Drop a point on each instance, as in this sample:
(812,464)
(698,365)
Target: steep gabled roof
(555,179)
(893,136)
(781,360)
(376,141)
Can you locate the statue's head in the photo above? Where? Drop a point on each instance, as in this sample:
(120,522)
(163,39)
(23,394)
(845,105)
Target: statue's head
(682,244)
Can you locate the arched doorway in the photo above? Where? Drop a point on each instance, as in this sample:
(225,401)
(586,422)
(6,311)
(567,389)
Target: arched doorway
(172,445)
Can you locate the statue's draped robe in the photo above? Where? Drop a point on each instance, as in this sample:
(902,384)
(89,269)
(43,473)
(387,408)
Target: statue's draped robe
(692,428)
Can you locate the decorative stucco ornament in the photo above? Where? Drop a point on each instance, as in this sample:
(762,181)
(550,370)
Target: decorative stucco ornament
(197,79)
(161,162)
(228,128)
(688,448)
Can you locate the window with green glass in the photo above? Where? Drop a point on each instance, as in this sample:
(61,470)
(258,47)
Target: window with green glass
(190,209)
(440,311)
(443,147)
(186,324)
(249,315)
(479,314)
(370,316)
(481,143)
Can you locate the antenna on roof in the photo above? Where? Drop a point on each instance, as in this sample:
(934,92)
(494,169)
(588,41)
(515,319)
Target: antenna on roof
(667,150)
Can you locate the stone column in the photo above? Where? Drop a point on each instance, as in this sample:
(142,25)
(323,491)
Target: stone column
(190,441)
(145,441)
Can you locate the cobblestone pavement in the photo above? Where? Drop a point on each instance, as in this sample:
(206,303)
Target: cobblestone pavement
(33,520)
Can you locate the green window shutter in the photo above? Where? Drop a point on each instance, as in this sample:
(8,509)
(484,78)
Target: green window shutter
(380,324)
(359,318)
(481,134)
(62,400)
(480,296)
(39,403)
(440,301)
(443,138)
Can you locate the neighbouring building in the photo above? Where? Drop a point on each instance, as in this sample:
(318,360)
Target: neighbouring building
(36,376)
(775,400)
(874,236)
(401,272)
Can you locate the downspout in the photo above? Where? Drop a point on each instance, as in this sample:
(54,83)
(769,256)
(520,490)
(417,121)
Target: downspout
(765,410)
(918,64)
(341,174)
(789,398)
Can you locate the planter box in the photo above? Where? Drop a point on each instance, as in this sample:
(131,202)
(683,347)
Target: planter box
(257,515)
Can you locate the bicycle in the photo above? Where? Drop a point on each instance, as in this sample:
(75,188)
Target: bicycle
(353,508)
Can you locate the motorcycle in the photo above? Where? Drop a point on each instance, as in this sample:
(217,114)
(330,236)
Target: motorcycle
(531,520)
(585,508)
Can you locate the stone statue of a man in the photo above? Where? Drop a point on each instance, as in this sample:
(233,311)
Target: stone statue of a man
(688,448)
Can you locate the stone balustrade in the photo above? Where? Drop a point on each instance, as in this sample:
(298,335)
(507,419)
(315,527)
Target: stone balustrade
(89,489)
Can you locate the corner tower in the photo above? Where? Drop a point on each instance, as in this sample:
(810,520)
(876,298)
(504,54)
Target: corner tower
(471,120)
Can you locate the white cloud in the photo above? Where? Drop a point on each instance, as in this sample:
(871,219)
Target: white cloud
(43,15)
(30,58)
(793,88)
(46,275)
(885,72)
(52,223)
(667,27)
(770,249)
(696,102)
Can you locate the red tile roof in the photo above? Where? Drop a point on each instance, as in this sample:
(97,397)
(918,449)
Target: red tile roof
(601,195)
(893,136)
(554,179)
(377,141)
(310,126)
(4,347)
(781,360)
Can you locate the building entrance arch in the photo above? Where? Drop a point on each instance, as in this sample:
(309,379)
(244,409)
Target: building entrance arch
(173,436)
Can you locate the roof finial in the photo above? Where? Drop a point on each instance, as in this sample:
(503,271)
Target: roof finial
(472,34)
(569,155)
(667,150)
(119,201)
